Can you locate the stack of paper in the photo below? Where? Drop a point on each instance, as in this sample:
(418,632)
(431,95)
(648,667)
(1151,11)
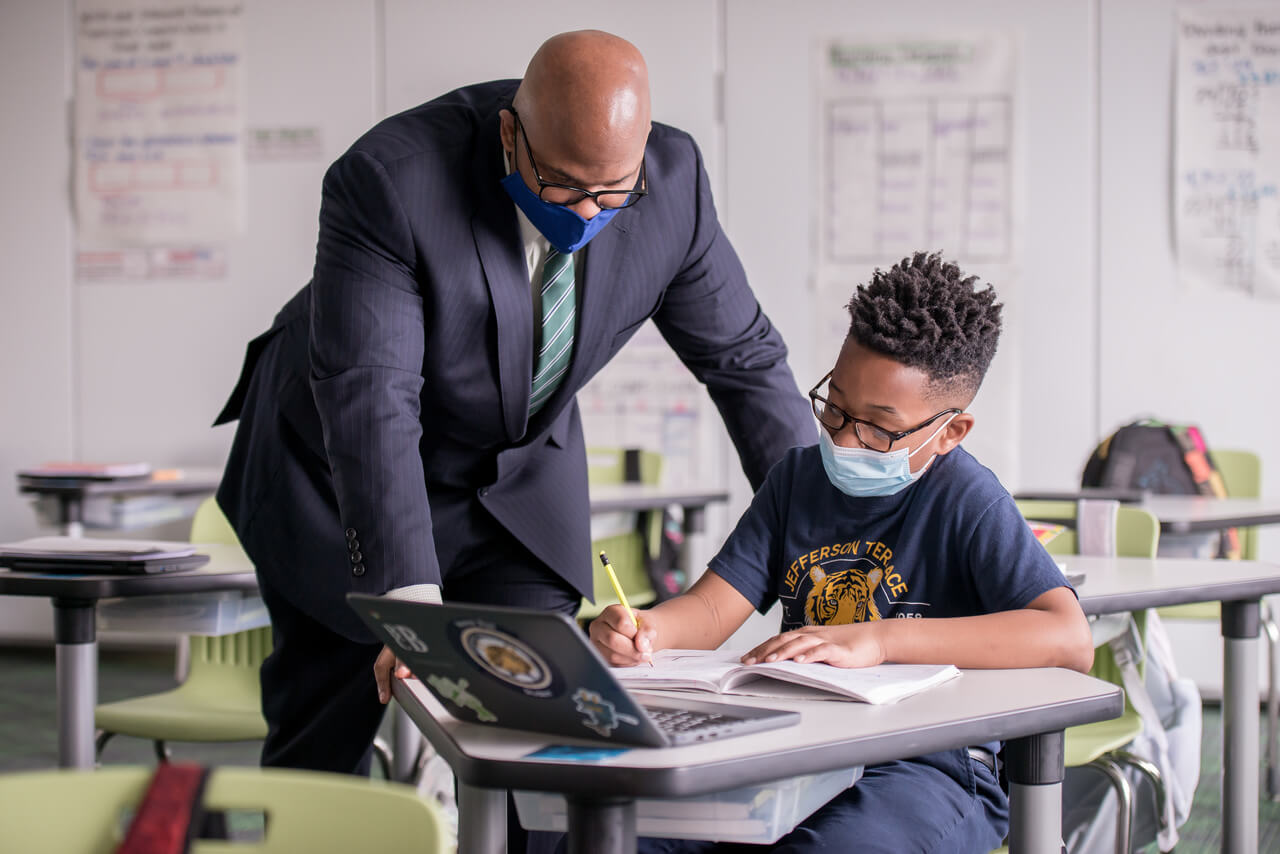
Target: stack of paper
(89,549)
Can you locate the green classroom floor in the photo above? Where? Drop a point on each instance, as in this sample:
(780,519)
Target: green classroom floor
(28,735)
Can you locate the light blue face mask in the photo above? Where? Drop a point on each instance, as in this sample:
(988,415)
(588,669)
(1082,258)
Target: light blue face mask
(563,228)
(864,473)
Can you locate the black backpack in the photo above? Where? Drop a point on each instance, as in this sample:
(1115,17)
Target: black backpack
(1160,458)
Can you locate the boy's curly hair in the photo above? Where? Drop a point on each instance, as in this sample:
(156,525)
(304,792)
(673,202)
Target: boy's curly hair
(926,314)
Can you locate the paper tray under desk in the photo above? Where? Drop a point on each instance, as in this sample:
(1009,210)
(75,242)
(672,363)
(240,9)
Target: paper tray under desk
(215,613)
(762,813)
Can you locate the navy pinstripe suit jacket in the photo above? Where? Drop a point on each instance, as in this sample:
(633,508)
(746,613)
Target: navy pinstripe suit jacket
(398,379)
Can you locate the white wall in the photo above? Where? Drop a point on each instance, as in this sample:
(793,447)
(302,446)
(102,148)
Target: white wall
(1097,330)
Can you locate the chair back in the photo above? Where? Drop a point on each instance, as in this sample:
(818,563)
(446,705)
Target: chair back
(241,651)
(1137,530)
(628,549)
(1242,476)
(53,812)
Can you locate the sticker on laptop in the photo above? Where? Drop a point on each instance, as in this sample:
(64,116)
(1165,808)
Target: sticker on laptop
(457,693)
(506,658)
(599,715)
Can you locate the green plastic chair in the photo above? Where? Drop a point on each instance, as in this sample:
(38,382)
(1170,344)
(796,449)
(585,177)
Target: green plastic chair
(221,698)
(1100,745)
(628,551)
(54,812)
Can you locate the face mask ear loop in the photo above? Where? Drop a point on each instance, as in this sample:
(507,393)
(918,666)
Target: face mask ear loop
(942,427)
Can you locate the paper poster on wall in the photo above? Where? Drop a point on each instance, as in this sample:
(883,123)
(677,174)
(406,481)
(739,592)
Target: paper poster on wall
(916,145)
(645,398)
(1227,149)
(158,122)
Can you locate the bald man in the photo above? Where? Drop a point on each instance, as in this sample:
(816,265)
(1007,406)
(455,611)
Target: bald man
(408,423)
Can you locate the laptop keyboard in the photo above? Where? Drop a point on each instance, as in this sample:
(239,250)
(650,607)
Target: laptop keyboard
(674,721)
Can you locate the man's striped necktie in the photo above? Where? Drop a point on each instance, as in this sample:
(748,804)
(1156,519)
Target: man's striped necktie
(556,342)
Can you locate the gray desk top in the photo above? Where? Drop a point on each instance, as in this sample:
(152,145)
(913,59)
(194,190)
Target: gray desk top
(1114,584)
(165,481)
(639,496)
(1205,513)
(980,706)
(227,569)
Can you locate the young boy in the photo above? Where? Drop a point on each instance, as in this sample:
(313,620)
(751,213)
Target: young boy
(886,518)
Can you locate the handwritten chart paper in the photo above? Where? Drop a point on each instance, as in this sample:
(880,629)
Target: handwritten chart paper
(1227,145)
(916,149)
(159,145)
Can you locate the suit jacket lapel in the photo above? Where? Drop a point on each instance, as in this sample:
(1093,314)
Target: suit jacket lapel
(497,238)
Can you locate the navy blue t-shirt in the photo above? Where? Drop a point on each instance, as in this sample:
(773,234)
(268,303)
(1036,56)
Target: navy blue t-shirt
(952,544)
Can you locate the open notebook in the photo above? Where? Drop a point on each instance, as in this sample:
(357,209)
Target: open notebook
(721,672)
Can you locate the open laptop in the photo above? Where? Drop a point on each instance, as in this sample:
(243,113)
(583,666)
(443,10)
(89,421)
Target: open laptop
(516,668)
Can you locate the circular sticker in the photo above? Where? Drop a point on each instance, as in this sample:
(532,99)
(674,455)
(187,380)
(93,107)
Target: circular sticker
(505,657)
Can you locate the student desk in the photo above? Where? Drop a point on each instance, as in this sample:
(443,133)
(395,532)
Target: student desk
(1178,513)
(1113,585)
(625,497)
(1029,708)
(75,601)
(72,493)
(605,498)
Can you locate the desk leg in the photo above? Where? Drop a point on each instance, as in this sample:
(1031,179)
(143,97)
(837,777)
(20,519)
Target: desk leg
(695,522)
(482,820)
(406,741)
(1240,727)
(601,825)
(74,632)
(1035,768)
(71,508)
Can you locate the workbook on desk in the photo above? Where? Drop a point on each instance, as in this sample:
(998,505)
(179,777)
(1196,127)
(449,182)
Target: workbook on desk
(72,470)
(722,672)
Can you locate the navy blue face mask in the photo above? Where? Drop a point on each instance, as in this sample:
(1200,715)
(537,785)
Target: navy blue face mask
(563,228)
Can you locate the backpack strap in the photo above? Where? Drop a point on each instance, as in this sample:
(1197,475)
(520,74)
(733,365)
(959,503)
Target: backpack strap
(171,812)
(1195,453)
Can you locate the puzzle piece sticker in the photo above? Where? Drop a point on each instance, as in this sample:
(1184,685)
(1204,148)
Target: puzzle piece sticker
(599,715)
(457,693)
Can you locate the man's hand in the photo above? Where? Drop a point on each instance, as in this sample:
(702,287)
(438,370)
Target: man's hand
(383,668)
(855,645)
(615,636)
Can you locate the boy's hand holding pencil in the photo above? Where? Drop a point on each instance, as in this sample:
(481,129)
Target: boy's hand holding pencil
(617,633)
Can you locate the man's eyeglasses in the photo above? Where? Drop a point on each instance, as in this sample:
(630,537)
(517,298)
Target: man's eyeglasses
(566,195)
(871,435)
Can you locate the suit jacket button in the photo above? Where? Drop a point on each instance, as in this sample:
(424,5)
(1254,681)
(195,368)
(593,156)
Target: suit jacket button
(357,570)
(352,545)
(351,533)
(356,557)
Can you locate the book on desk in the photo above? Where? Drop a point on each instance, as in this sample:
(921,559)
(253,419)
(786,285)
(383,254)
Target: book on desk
(71,470)
(721,672)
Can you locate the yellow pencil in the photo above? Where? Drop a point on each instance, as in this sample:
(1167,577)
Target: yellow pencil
(622,597)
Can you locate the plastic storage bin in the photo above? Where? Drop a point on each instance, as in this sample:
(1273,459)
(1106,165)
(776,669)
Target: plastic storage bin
(214,613)
(760,813)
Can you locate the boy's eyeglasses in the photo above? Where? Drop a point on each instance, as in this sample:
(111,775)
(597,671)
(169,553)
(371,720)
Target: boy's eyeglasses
(870,435)
(566,195)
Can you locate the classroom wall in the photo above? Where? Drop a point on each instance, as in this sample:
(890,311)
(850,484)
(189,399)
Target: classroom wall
(1097,329)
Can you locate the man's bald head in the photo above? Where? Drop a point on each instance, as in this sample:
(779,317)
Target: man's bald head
(584,105)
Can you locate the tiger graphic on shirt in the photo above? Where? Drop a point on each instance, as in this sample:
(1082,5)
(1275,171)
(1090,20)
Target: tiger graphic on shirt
(853,581)
(841,597)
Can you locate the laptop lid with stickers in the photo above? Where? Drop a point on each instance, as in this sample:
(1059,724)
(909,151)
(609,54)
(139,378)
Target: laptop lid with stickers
(518,668)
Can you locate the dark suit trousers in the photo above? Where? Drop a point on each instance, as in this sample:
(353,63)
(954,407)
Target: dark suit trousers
(318,692)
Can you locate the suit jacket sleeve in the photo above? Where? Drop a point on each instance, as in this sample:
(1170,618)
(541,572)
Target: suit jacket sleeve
(367,344)
(714,323)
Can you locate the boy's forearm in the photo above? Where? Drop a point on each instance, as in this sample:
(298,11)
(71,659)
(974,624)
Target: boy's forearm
(1022,638)
(702,617)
